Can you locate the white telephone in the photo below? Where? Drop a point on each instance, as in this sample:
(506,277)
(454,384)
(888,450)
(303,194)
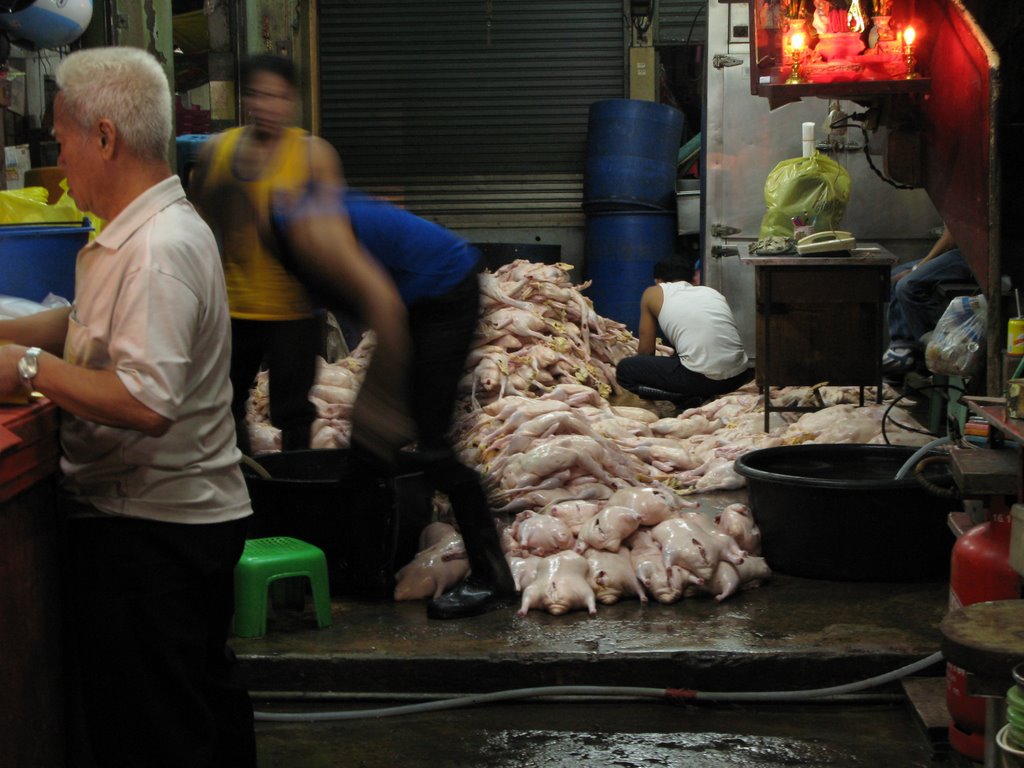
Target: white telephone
(830,241)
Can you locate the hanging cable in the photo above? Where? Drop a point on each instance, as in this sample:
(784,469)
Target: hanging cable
(693,22)
(912,390)
(859,119)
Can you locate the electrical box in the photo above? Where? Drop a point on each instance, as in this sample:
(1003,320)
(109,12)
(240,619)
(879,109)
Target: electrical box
(643,73)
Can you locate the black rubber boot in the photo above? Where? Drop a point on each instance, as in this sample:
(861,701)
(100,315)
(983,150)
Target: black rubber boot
(468,598)
(489,584)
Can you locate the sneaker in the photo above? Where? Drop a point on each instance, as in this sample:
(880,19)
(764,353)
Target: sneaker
(898,360)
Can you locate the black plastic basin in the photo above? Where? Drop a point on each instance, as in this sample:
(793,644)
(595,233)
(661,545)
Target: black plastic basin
(838,512)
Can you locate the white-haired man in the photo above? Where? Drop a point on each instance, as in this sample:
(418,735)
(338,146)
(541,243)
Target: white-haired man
(156,503)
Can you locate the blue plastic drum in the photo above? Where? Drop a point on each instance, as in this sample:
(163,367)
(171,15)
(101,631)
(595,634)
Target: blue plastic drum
(632,151)
(620,251)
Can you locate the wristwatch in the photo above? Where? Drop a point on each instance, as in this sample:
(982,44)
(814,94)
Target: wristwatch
(28,366)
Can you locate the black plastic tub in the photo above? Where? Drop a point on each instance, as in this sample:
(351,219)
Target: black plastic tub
(368,527)
(838,512)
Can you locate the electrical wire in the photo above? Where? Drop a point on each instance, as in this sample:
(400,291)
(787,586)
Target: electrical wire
(858,118)
(642,23)
(911,390)
(693,22)
(830,693)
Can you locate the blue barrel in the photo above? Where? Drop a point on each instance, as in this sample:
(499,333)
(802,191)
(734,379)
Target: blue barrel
(620,251)
(39,259)
(632,152)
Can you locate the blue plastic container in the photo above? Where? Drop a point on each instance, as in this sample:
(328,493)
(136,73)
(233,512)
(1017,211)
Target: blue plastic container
(620,251)
(632,152)
(39,259)
(187,147)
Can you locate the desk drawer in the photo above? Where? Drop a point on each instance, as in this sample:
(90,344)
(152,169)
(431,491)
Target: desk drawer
(808,344)
(814,285)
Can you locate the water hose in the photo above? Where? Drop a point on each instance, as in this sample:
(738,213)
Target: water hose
(919,454)
(667,694)
(933,488)
(256,467)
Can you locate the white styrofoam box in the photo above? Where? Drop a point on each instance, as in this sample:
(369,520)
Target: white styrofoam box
(688,206)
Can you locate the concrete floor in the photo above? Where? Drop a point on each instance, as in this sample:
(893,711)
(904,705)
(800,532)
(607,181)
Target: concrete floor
(791,633)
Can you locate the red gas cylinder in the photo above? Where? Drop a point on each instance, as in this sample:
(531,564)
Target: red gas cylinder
(979,571)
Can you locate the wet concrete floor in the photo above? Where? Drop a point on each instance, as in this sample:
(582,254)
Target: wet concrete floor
(616,735)
(790,633)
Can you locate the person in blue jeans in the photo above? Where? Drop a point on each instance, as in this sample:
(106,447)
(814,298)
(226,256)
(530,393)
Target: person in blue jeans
(415,284)
(914,308)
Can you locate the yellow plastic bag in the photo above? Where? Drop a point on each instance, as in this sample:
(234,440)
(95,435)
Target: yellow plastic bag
(814,188)
(23,206)
(68,206)
(29,206)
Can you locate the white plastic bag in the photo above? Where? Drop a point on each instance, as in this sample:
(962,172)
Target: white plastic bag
(958,341)
(13,306)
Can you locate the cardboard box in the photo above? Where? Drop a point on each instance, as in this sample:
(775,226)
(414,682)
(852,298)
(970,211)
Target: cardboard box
(16,162)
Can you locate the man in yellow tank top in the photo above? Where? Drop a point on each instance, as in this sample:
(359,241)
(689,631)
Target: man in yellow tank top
(272,319)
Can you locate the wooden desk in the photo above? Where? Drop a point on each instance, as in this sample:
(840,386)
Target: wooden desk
(821,319)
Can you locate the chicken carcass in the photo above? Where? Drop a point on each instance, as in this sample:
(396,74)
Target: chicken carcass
(541,535)
(574,512)
(612,577)
(607,529)
(560,586)
(737,521)
(692,542)
(666,585)
(728,578)
(433,570)
(654,504)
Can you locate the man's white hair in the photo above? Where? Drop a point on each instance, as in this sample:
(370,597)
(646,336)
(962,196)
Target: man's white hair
(128,87)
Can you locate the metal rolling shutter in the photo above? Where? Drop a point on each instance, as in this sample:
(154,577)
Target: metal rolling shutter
(681,22)
(468,110)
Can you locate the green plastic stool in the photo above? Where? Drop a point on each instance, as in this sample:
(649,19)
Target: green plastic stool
(265,561)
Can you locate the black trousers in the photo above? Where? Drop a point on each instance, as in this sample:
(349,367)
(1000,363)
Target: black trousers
(667,374)
(289,349)
(149,612)
(442,332)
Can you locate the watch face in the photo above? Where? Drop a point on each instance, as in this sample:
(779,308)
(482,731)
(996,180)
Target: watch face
(28,366)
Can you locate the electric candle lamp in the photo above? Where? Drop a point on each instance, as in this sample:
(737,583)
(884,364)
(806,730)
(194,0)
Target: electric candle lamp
(797,43)
(909,35)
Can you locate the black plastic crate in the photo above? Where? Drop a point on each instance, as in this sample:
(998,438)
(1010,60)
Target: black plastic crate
(368,527)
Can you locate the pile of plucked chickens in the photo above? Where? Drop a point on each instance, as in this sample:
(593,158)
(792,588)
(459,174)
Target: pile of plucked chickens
(597,502)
